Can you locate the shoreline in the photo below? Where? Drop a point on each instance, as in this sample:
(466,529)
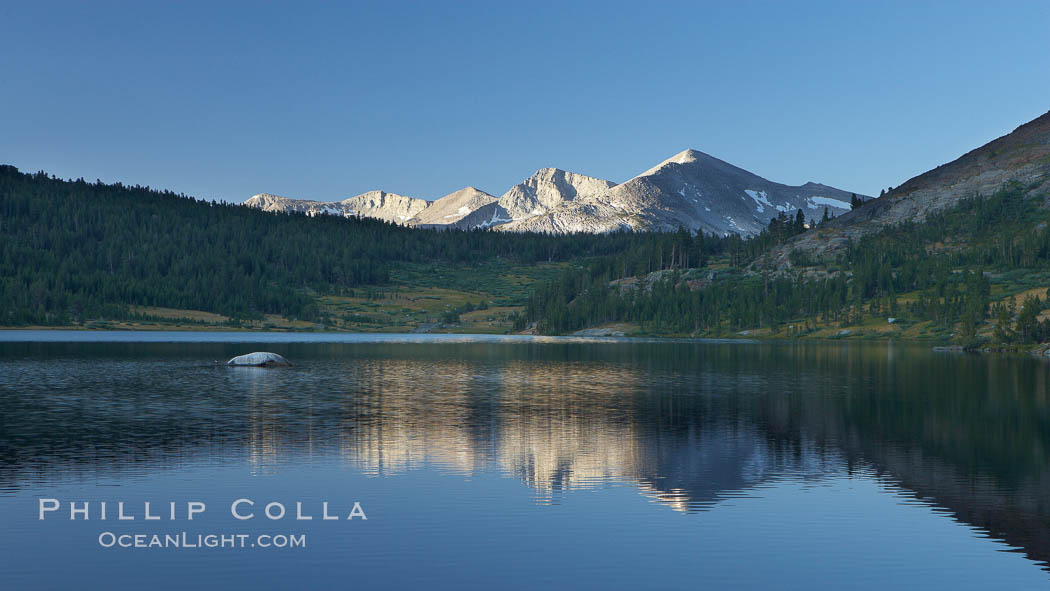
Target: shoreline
(937,344)
(596,334)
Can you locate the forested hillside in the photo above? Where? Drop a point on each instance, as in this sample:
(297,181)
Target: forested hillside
(73,250)
(940,272)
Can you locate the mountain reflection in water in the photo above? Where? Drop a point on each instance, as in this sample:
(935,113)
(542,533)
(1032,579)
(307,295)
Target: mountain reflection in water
(687,425)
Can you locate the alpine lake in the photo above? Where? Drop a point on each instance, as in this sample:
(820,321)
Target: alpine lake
(487,462)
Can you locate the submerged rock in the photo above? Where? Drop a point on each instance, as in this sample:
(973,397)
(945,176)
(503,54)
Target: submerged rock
(260,359)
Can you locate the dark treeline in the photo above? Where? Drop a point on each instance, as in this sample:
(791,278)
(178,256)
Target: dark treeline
(73,250)
(943,263)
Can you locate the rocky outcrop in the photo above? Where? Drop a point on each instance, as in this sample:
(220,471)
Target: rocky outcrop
(590,217)
(260,359)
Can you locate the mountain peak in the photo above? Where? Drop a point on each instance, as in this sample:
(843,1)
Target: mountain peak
(264,196)
(548,188)
(547,172)
(466,193)
(267,201)
(561,177)
(466,208)
(687,156)
(684,157)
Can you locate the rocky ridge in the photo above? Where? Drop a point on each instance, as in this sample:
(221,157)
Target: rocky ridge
(374,204)
(1022,156)
(691,189)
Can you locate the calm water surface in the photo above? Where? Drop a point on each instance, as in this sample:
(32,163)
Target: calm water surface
(494,462)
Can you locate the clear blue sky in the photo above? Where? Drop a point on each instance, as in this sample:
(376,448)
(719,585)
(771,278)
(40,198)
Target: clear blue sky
(324,101)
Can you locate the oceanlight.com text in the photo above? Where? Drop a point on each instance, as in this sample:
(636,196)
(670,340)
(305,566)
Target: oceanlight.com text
(185,540)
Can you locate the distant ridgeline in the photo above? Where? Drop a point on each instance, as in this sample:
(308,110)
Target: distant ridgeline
(73,250)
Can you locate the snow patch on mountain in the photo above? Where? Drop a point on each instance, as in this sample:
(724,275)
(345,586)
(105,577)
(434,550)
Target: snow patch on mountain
(818,201)
(759,198)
